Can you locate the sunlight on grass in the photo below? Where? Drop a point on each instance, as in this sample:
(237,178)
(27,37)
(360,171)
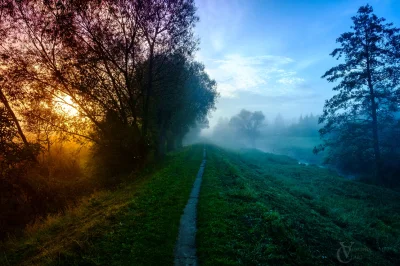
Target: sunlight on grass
(136,223)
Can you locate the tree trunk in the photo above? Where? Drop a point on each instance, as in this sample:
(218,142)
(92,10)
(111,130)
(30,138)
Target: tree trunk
(178,142)
(375,136)
(161,140)
(148,93)
(377,151)
(4,100)
(170,143)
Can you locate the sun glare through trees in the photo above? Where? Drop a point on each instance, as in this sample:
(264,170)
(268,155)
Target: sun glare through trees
(199,132)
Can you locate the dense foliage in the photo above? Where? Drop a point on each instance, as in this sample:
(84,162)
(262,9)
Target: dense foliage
(116,76)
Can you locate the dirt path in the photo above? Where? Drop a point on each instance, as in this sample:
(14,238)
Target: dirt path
(185,248)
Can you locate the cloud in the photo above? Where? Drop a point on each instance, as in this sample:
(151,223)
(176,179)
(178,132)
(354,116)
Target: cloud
(265,75)
(290,80)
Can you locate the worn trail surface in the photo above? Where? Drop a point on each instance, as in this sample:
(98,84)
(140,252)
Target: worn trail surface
(185,248)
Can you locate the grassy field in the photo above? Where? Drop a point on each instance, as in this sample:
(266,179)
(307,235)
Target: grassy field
(255,208)
(136,224)
(262,209)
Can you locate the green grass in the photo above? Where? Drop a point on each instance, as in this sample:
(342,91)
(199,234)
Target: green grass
(263,209)
(136,224)
(255,209)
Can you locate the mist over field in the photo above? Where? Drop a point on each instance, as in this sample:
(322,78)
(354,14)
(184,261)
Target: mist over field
(252,130)
(298,73)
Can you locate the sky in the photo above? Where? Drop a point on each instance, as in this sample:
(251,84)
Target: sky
(269,55)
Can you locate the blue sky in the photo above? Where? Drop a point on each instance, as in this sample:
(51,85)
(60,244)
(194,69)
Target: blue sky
(269,55)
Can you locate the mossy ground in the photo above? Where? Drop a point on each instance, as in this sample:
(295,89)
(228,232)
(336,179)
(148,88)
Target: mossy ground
(262,209)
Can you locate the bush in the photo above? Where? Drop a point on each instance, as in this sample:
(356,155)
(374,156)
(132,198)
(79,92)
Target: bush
(31,190)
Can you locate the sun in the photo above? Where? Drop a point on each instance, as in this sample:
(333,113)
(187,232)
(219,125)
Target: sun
(65,105)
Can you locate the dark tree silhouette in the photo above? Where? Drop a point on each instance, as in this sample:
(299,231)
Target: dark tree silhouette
(167,27)
(367,90)
(112,58)
(126,68)
(184,95)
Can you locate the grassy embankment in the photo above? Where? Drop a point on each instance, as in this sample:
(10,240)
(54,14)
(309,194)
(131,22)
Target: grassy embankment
(263,209)
(255,209)
(136,224)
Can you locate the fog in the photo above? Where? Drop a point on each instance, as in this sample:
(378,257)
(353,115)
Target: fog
(264,62)
(294,137)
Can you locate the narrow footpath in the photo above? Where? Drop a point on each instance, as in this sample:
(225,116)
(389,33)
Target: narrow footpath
(185,248)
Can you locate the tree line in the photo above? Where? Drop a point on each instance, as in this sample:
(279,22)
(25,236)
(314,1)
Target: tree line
(118,76)
(304,126)
(246,128)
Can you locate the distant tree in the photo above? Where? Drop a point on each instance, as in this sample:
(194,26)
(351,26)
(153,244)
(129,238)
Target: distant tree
(306,126)
(368,86)
(248,124)
(279,124)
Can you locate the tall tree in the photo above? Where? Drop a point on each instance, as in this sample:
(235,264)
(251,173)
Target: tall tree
(184,95)
(100,53)
(367,83)
(167,27)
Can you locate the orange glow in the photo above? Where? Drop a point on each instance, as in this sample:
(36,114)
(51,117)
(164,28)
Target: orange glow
(65,105)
